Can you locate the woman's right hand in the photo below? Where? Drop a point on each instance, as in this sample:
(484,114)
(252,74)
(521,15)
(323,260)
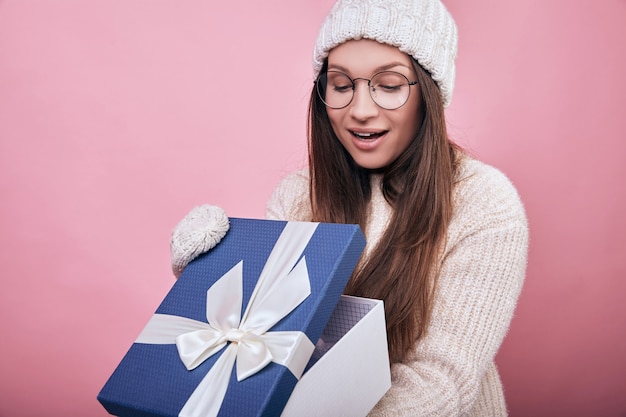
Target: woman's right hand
(198,232)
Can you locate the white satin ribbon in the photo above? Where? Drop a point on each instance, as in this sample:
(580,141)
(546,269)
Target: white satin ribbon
(281,287)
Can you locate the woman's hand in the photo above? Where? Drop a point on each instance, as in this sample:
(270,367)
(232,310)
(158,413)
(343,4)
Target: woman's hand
(198,232)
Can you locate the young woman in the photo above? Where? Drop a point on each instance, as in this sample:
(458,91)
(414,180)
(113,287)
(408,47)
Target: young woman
(447,235)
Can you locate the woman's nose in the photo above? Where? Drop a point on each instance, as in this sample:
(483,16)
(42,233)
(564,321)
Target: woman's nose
(363,106)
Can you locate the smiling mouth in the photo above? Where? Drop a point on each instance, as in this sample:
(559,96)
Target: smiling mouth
(368,135)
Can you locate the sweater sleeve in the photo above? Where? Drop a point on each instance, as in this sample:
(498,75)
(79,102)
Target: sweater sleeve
(290,199)
(480,279)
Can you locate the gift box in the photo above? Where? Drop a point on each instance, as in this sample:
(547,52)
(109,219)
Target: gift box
(238,329)
(349,371)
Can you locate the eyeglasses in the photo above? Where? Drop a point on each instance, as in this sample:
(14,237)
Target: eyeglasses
(389,89)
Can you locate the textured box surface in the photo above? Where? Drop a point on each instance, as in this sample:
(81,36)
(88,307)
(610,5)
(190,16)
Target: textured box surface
(151,379)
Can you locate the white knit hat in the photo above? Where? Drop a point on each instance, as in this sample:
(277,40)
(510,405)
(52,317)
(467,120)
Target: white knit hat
(424,29)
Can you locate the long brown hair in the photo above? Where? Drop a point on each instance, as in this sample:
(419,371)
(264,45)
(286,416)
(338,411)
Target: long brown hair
(402,268)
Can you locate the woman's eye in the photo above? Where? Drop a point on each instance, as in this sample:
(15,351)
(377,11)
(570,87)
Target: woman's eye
(342,88)
(388,88)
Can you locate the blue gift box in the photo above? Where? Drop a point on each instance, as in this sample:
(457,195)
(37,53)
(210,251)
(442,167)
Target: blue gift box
(151,379)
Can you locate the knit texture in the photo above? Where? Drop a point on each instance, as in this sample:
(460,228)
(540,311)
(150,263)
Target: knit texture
(451,372)
(422,29)
(198,232)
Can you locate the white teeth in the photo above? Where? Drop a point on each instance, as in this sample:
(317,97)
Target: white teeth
(364,135)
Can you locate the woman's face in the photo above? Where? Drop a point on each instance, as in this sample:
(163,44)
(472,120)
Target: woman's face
(373,136)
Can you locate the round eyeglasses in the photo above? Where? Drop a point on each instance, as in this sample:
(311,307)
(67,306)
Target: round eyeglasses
(389,89)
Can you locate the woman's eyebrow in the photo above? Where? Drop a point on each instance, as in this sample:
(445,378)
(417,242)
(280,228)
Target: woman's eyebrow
(385,67)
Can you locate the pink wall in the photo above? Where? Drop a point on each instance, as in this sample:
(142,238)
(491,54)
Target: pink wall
(116,118)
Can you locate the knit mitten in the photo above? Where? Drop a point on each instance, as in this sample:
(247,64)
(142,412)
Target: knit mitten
(198,232)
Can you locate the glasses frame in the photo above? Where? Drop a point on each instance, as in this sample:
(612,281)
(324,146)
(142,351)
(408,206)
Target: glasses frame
(370,88)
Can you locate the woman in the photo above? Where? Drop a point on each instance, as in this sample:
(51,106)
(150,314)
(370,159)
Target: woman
(447,235)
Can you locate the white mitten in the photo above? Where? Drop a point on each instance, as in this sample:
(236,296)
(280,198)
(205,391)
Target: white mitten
(198,232)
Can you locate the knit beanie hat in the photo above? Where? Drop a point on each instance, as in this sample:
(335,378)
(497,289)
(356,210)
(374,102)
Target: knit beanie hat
(423,29)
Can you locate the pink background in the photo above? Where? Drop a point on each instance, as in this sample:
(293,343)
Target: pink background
(117,117)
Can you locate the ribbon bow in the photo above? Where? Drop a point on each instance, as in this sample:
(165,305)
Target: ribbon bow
(281,287)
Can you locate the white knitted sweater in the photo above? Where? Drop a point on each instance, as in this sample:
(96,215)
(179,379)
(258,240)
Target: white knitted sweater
(451,372)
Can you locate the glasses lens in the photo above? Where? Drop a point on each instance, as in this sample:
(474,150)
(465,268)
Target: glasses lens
(335,89)
(389,89)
